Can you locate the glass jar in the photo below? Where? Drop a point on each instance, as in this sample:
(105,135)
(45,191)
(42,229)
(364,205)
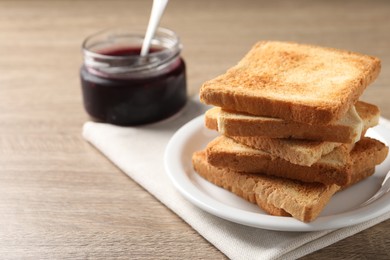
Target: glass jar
(121,87)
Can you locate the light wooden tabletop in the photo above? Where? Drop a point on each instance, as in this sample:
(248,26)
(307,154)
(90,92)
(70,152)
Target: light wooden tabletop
(60,198)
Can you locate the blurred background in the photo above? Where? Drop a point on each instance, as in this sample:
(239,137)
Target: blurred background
(212,40)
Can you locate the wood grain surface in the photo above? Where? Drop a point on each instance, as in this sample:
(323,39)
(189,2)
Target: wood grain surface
(60,198)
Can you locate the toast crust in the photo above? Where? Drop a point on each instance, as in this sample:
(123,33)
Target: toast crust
(297,151)
(276,196)
(295,82)
(236,124)
(241,185)
(333,168)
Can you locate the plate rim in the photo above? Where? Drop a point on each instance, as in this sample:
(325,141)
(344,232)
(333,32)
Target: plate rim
(181,181)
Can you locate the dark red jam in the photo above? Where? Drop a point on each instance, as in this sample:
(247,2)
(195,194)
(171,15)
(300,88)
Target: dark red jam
(130,51)
(134,100)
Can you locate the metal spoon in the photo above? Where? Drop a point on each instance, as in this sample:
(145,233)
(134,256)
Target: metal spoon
(382,191)
(155,16)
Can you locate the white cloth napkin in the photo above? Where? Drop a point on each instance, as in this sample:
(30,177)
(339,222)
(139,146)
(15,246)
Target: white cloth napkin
(139,151)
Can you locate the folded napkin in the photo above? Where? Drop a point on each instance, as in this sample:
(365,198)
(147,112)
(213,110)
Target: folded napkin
(139,152)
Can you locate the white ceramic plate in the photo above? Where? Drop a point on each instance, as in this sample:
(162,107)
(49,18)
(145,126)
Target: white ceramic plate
(343,209)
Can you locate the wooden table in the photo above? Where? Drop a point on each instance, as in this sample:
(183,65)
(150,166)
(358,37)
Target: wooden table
(59,197)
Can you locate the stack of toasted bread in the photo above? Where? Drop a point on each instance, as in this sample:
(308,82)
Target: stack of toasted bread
(292,127)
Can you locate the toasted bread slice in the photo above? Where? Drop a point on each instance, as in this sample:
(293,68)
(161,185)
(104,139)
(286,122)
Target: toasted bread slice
(240,184)
(296,82)
(277,196)
(346,130)
(299,152)
(333,168)
(304,152)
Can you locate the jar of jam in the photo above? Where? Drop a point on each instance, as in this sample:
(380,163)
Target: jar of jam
(122,88)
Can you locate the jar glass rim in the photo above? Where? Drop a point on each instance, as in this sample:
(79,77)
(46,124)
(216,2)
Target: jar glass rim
(166,41)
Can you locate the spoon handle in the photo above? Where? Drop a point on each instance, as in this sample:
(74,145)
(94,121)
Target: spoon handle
(383,190)
(155,16)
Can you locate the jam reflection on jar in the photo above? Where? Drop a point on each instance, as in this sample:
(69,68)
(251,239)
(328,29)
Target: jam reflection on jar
(121,87)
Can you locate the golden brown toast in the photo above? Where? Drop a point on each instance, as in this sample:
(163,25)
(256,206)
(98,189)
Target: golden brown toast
(295,82)
(302,152)
(346,130)
(336,167)
(277,196)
